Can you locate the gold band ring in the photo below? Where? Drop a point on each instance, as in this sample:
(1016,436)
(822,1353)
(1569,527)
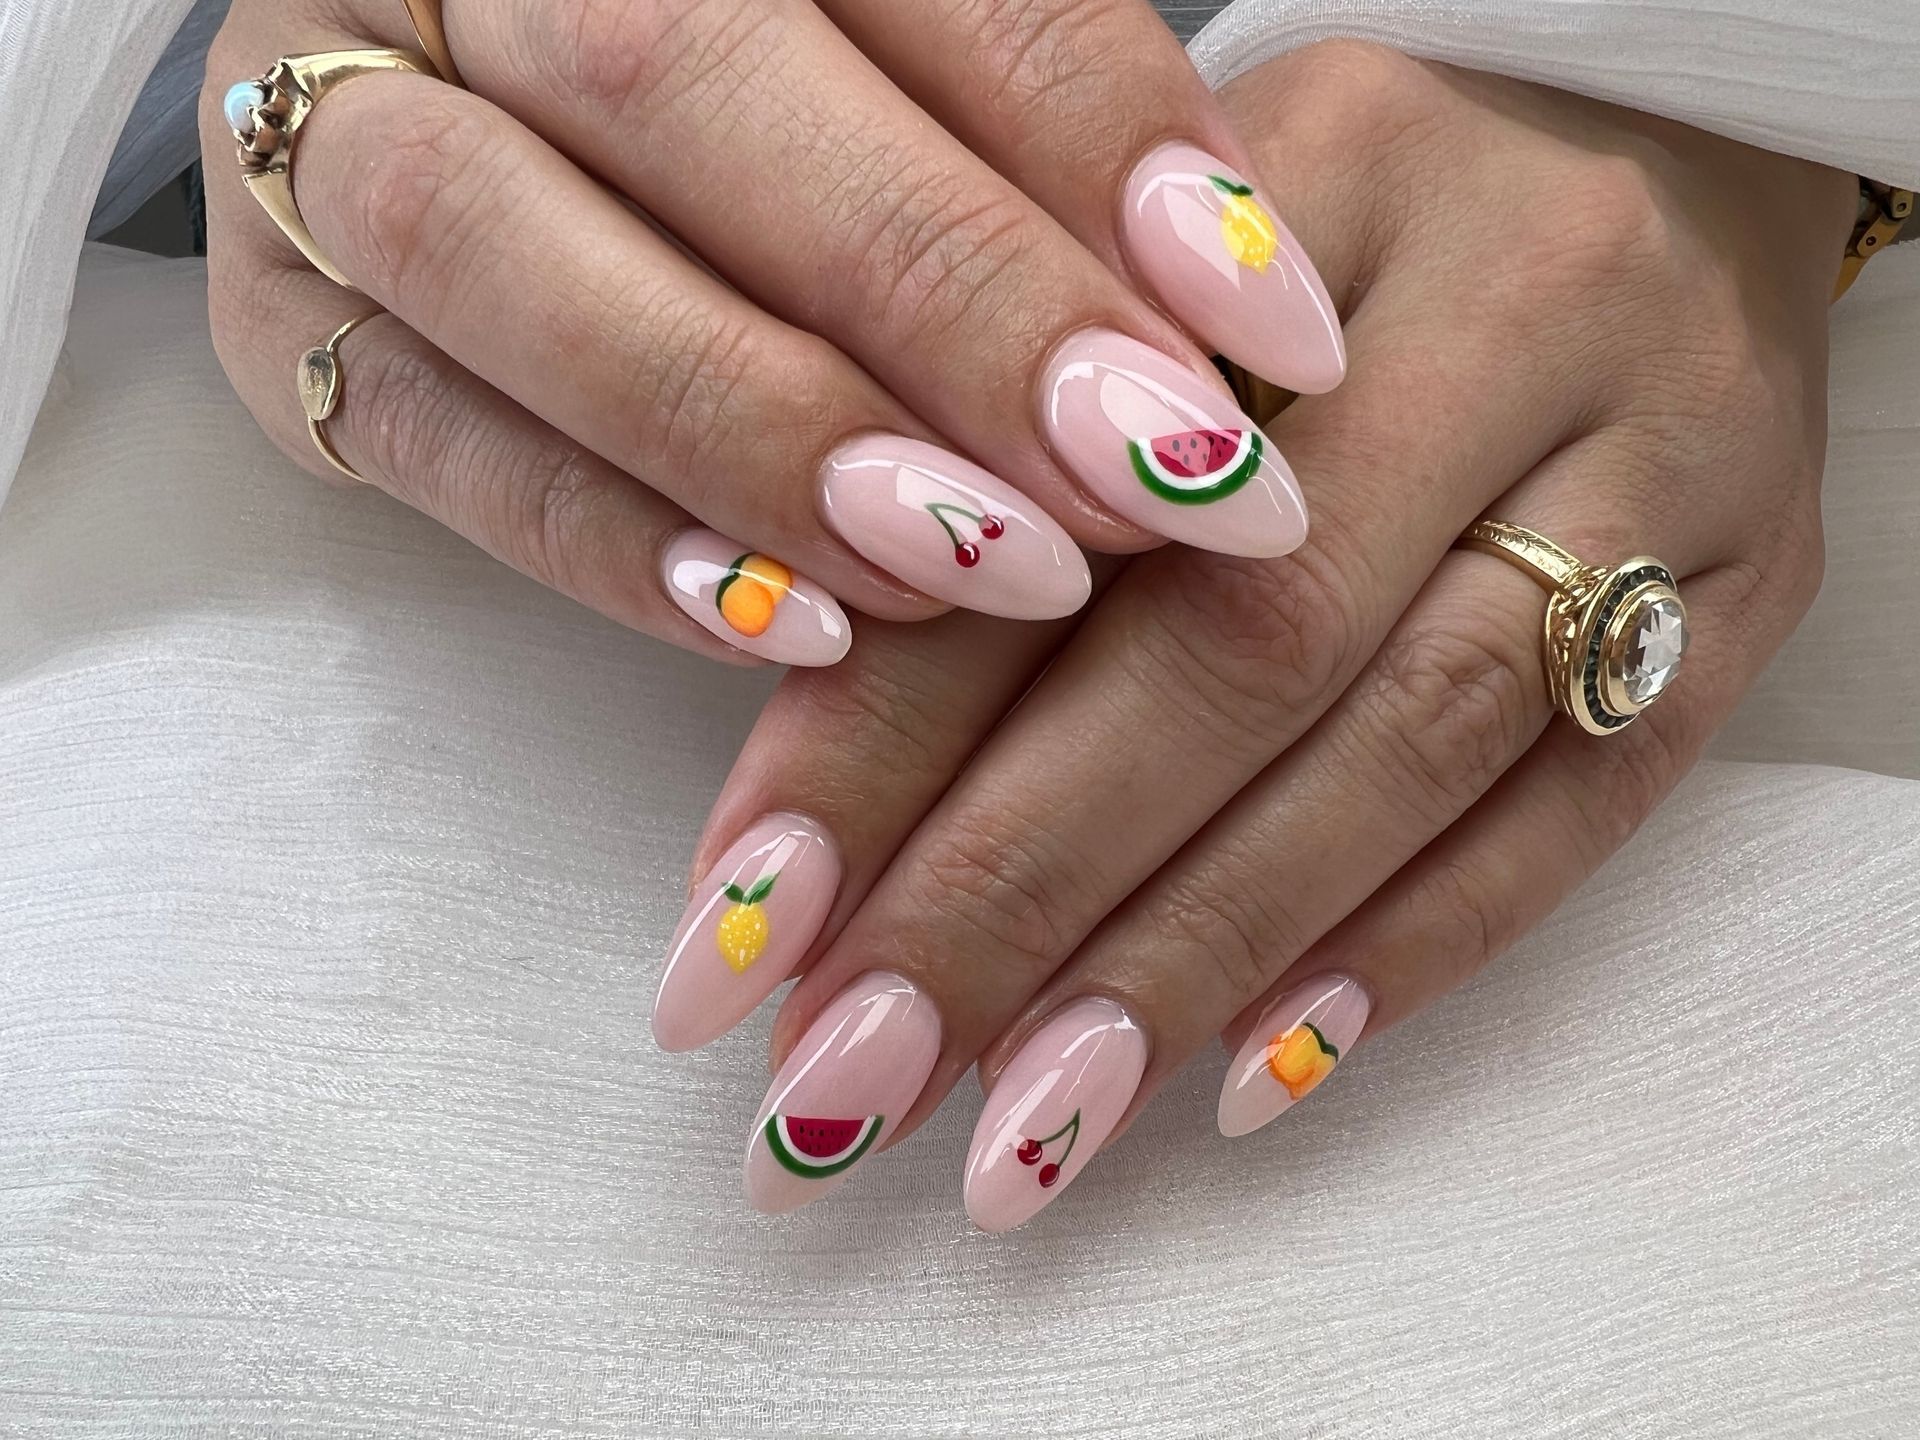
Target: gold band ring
(322,382)
(266,115)
(1613,639)
(427,24)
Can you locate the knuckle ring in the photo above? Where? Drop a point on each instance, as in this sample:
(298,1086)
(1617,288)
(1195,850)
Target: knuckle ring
(266,116)
(1613,638)
(322,382)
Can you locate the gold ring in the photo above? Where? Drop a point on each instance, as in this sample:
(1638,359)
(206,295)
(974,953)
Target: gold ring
(425,15)
(1613,638)
(266,114)
(322,382)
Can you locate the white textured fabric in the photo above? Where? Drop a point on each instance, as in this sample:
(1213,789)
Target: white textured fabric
(335,862)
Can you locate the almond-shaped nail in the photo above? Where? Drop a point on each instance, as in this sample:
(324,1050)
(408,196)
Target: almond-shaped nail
(752,919)
(1050,1111)
(753,601)
(843,1091)
(952,530)
(1167,449)
(1299,1039)
(1219,258)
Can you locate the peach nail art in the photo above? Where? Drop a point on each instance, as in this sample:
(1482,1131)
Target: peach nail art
(842,1092)
(1055,1103)
(751,921)
(1299,1039)
(951,530)
(1211,247)
(753,601)
(1167,449)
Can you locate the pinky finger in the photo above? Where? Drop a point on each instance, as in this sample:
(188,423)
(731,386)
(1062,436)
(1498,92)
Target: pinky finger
(415,423)
(1558,815)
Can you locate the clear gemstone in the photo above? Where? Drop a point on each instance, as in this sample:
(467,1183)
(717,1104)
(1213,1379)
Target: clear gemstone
(1656,639)
(240,101)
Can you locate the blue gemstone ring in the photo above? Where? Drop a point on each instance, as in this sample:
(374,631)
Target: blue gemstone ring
(266,116)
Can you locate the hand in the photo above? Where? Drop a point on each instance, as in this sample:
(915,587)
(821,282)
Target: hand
(1294,801)
(903,230)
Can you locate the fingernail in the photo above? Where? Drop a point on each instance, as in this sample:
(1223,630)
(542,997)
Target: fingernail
(842,1092)
(1053,1106)
(1293,1048)
(753,601)
(751,921)
(1213,249)
(951,530)
(1166,449)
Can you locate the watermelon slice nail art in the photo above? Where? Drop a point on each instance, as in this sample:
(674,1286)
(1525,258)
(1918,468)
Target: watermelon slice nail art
(865,1059)
(1167,448)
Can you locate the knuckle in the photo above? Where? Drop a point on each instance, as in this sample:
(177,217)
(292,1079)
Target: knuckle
(1245,940)
(693,365)
(1447,710)
(996,875)
(1476,917)
(1045,53)
(891,716)
(1610,232)
(1254,642)
(626,60)
(436,166)
(548,515)
(1382,95)
(933,261)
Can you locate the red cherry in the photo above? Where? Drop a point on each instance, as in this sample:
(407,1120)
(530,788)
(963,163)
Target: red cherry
(1049,1173)
(1028,1153)
(967,556)
(992,527)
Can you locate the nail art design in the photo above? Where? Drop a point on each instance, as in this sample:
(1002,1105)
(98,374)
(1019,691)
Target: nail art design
(859,1067)
(752,590)
(1295,1045)
(1211,248)
(950,529)
(1168,449)
(753,919)
(753,601)
(1051,1108)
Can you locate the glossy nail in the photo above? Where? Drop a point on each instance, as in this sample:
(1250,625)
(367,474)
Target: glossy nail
(842,1092)
(1292,1049)
(1214,251)
(1167,449)
(1053,1106)
(753,601)
(951,530)
(752,919)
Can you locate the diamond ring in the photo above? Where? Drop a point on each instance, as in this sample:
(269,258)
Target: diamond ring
(1613,638)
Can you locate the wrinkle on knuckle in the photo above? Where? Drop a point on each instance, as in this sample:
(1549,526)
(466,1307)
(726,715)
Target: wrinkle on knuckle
(690,373)
(1480,917)
(1041,54)
(1245,940)
(1448,710)
(624,62)
(889,717)
(991,873)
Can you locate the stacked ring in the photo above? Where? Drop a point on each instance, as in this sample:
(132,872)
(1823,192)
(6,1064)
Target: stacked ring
(321,382)
(1613,639)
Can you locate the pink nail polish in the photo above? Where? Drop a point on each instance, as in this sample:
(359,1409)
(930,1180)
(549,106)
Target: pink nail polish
(753,601)
(951,530)
(842,1092)
(1166,449)
(1293,1048)
(751,921)
(1213,249)
(1053,1105)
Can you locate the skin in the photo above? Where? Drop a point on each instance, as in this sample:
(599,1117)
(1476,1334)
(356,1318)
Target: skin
(849,265)
(1234,775)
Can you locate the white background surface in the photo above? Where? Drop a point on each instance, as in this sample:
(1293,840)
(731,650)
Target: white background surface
(335,864)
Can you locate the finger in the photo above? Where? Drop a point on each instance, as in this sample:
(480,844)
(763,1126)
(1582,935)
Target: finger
(842,209)
(840,766)
(1096,112)
(1186,681)
(415,424)
(1295,853)
(504,255)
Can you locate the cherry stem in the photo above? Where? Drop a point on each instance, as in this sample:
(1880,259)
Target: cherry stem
(934,507)
(1074,1126)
